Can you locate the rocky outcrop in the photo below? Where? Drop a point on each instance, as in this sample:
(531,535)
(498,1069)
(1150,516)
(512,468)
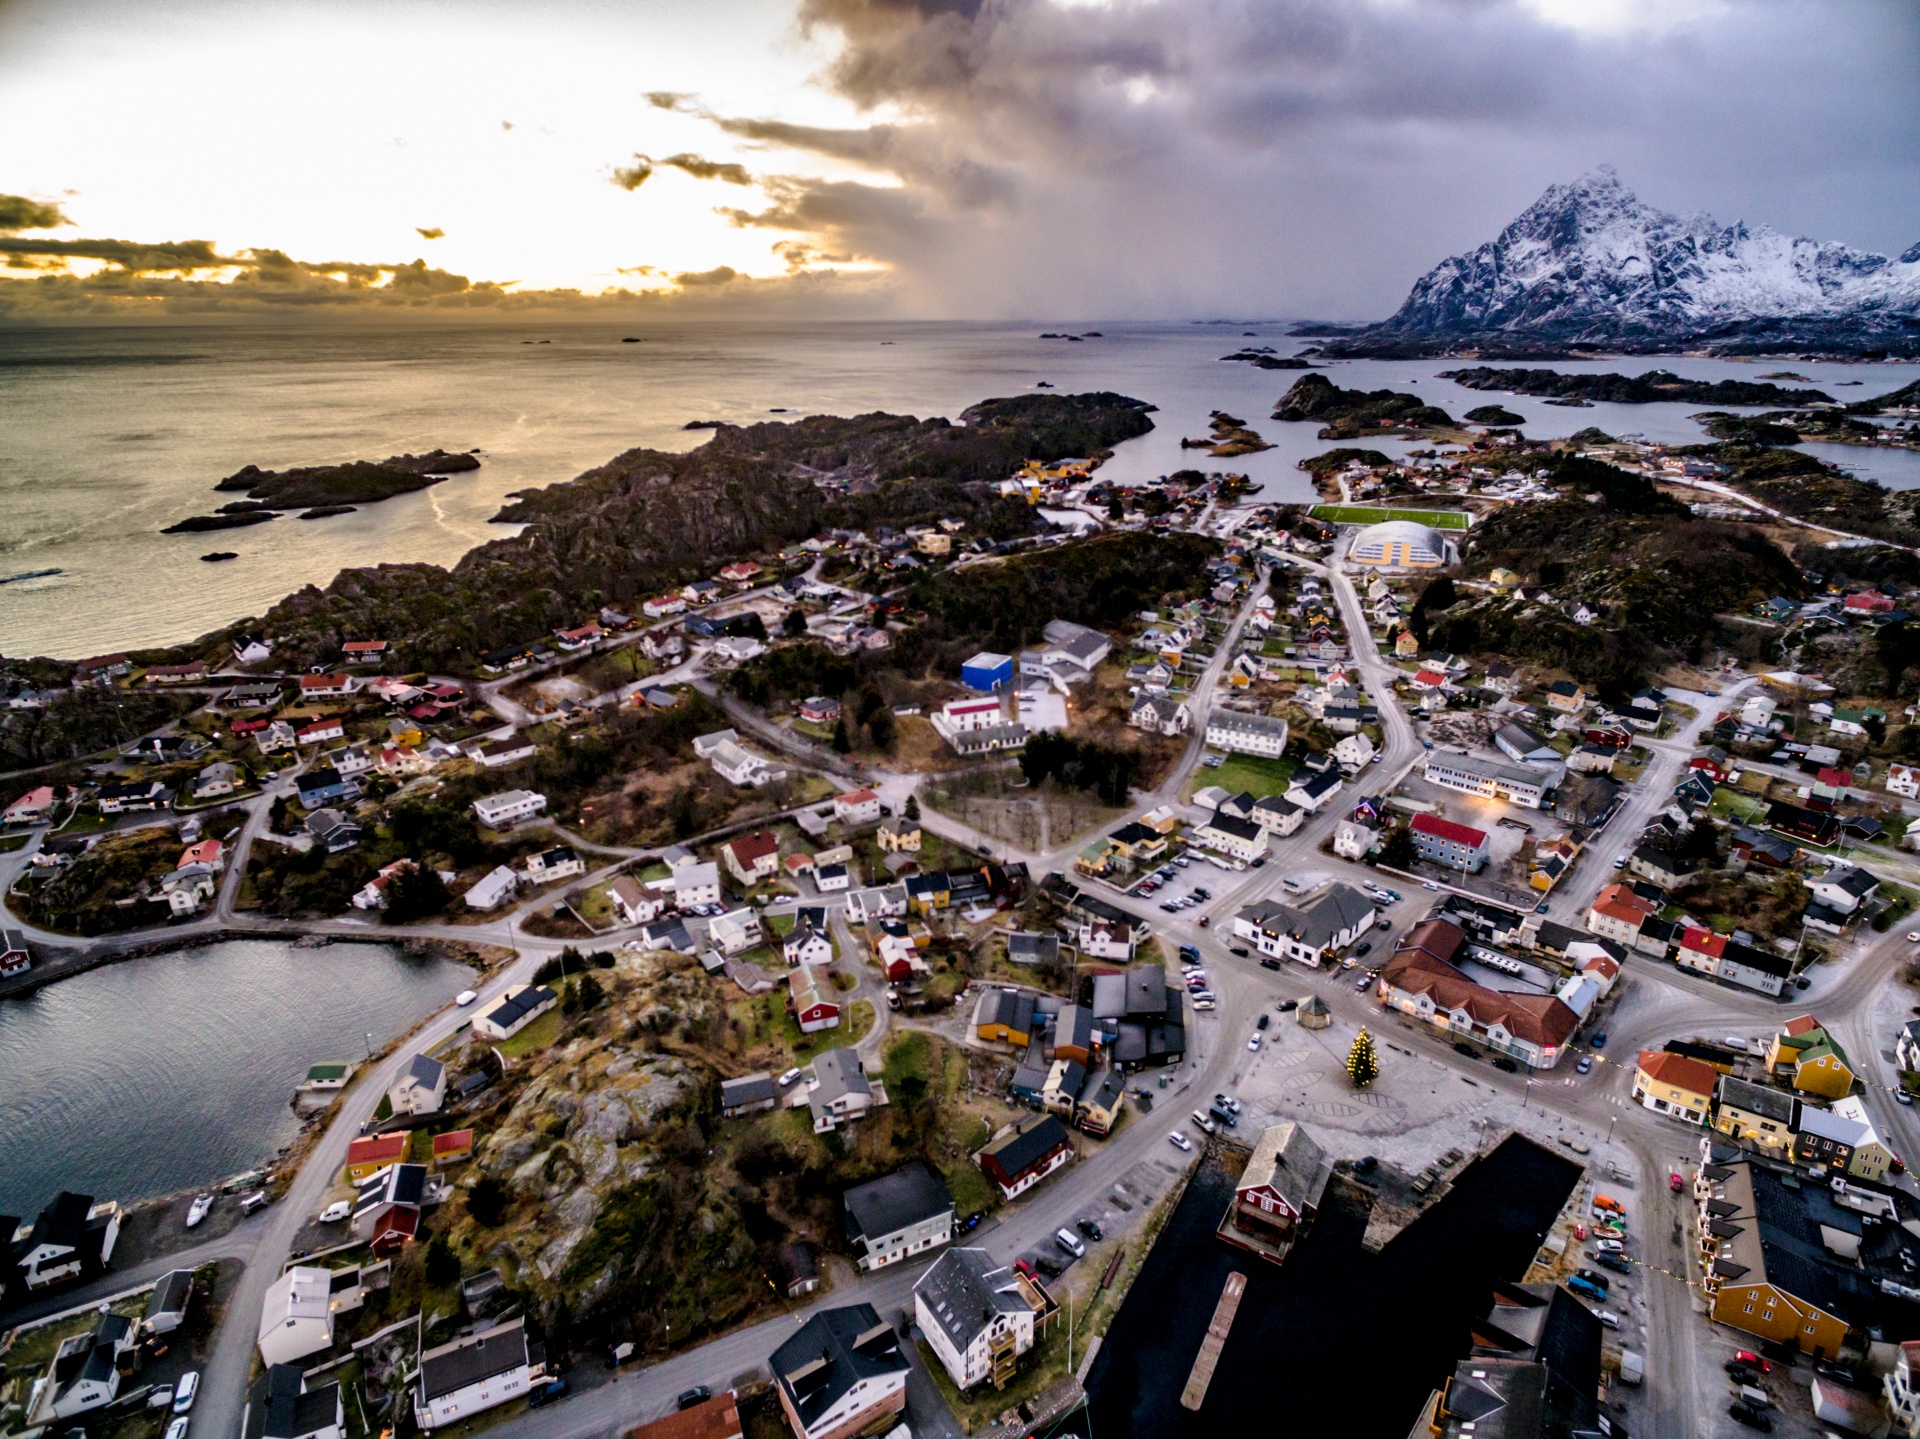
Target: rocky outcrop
(357,482)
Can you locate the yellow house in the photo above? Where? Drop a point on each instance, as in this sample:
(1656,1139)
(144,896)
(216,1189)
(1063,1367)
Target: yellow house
(1817,1065)
(1406,646)
(898,836)
(934,543)
(1004,1016)
(1674,1085)
(1755,1114)
(1741,1293)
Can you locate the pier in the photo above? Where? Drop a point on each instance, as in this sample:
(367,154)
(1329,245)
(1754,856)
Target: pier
(1201,1375)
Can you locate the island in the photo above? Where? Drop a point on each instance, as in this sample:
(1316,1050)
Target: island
(1652,387)
(1263,358)
(1494,415)
(358,482)
(197,524)
(1353,413)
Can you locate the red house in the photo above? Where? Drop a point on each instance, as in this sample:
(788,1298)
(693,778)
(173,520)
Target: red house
(1022,1158)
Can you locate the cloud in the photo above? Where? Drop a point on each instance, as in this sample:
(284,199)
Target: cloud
(669,100)
(17,212)
(430,232)
(704,169)
(707,279)
(632,177)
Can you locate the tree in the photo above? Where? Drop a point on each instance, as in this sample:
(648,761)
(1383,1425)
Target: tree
(592,996)
(795,624)
(1116,509)
(881,727)
(912,810)
(1363,1065)
(1398,851)
(415,894)
(841,743)
(487,1200)
(443,1265)
(569,999)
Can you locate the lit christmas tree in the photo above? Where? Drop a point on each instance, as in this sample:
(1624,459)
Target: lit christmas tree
(1363,1065)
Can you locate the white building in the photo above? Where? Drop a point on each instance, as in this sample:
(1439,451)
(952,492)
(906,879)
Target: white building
(1242,733)
(1240,838)
(492,889)
(459,1380)
(696,884)
(296,1317)
(421,1087)
(857,807)
(1526,785)
(977,1315)
(634,904)
(514,1011)
(1903,780)
(497,811)
(1353,751)
(735,931)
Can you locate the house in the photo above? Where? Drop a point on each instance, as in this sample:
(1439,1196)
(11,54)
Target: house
(695,885)
(807,942)
(839,1092)
(1904,781)
(280,1406)
(1664,869)
(498,811)
(977,1315)
(251,650)
(86,1370)
(296,1316)
(492,889)
(1844,890)
(1843,1140)
(841,1374)
(736,931)
(72,1238)
(193,672)
(809,992)
(36,804)
(514,1011)
(1421,980)
(987,672)
(498,753)
(476,1373)
(857,807)
(1675,1085)
(1353,751)
(371,1153)
(455,1146)
(1457,846)
(1311,791)
(1106,939)
(15,957)
(386,1207)
(898,1215)
(734,763)
(1309,931)
(1238,732)
(333,831)
(749,1094)
(1566,697)
(751,858)
(1353,841)
(1811,1058)
(1102,1101)
(132,796)
(1004,1016)
(1901,1391)
(899,836)
(662,606)
(1280,1190)
(1161,714)
(217,779)
(421,1087)
(1755,1114)
(1526,785)
(1026,1154)
(1523,746)
(1617,913)
(1240,838)
(1767,1268)
(818,709)
(558,863)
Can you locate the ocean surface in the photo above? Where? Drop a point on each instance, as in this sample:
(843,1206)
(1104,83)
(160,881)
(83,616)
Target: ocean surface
(109,435)
(169,1072)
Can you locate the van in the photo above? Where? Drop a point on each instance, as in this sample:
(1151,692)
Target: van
(184,1389)
(335,1212)
(789,1077)
(1756,1397)
(1587,1289)
(256,1200)
(1633,1369)
(1608,1202)
(1070,1242)
(1205,1124)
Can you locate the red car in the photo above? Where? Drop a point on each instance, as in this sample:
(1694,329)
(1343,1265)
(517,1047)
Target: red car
(1747,1356)
(1675,1183)
(1025,1268)
(1204,921)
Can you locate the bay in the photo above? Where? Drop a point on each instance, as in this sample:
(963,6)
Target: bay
(165,1073)
(107,435)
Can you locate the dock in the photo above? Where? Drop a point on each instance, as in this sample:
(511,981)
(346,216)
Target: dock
(1201,1375)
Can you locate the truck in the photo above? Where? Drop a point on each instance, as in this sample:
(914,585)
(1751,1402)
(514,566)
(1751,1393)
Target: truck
(1633,1369)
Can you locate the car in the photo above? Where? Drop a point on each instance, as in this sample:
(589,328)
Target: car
(1253,1043)
(1583,1065)
(1609,1246)
(1587,1289)
(1426,744)
(1460,1046)
(1675,1182)
(553,1389)
(1203,891)
(1599,1040)
(1204,921)
(1429,884)
(1349,962)
(1189,954)
(178,1428)
(1838,1373)
(1263,1021)
(1286,1006)
(1180,1141)
(1366,947)
(1384,924)
(1617,1263)
(1747,1356)
(789,1077)
(1170,908)
(1505,1065)
(1047,1265)
(1090,1229)
(1913,936)
(1260,863)
(1802,982)
(1900,1096)
(699,1394)
(335,1212)
(256,1200)
(1540,908)
(1228,1102)
(466,997)
(1204,1002)
(1363,981)
(1269,962)
(1021,1266)
(1751,1417)
(1068,1244)
(1592,1277)
(1184,860)
(184,1389)
(1607,1317)
(1620,861)
(1375,758)
(1205,1125)
(1239,949)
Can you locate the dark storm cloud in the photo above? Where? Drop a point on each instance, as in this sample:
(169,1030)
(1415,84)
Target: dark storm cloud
(17,212)
(1315,156)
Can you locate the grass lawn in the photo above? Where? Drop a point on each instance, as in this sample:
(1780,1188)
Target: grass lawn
(1731,804)
(594,907)
(1248,772)
(1376,514)
(859,1021)
(973,1192)
(538,1035)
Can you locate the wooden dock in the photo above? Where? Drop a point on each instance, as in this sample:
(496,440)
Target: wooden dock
(1195,1394)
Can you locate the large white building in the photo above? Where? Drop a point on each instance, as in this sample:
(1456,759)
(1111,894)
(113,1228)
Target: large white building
(476,1373)
(1243,733)
(1400,545)
(1523,784)
(296,1317)
(976,1315)
(496,811)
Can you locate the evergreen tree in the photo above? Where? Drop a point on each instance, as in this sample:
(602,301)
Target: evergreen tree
(1363,1065)
(487,1200)
(795,623)
(1116,509)
(443,1265)
(592,996)
(569,1000)
(841,743)
(912,810)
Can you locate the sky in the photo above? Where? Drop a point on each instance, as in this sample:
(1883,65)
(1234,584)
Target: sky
(1099,159)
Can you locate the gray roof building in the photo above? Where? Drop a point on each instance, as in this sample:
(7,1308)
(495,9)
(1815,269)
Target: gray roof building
(883,1206)
(834,1352)
(966,1291)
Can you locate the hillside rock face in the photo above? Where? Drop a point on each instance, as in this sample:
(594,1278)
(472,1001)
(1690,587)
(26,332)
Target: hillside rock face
(1589,263)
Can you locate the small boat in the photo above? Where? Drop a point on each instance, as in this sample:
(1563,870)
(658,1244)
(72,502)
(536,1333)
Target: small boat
(28,575)
(197,1211)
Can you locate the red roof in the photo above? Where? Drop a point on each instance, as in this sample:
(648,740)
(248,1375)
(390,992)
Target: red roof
(857,796)
(363,647)
(248,726)
(458,1141)
(1621,895)
(751,848)
(1703,941)
(324,682)
(1835,777)
(1693,1075)
(1431,678)
(1415,968)
(1446,829)
(378,1148)
(1794,1028)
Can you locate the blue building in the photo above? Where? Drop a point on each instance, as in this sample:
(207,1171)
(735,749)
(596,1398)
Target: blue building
(325,786)
(987,672)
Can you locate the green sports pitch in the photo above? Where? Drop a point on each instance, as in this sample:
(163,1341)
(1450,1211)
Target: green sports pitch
(1374,515)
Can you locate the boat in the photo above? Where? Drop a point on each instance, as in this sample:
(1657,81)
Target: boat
(197,1211)
(28,575)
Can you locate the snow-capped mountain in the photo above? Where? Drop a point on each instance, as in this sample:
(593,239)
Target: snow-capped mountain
(1590,263)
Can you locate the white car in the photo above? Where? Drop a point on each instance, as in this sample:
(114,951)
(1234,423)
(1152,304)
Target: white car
(1204,1124)
(184,1389)
(1069,1242)
(335,1212)
(1913,936)
(1609,1246)
(1607,1317)
(466,997)
(1180,1141)
(178,1429)
(1253,1042)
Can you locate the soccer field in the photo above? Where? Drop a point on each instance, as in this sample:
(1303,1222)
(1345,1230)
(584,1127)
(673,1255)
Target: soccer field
(1373,515)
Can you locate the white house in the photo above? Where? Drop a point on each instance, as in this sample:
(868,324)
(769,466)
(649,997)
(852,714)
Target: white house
(1311,791)
(633,904)
(514,1011)
(1310,931)
(856,807)
(1352,841)
(735,931)
(1240,838)
(421,1087)
(1243,733)
(1353,751)
(1106,939)
(807,941)
(883,902)
(1844,890)
(1903,780)
(497,811)
(976,1315)
(842,1373)
(696,884)
(1161,714)
(492,889)
(459,1380)
(296,1316)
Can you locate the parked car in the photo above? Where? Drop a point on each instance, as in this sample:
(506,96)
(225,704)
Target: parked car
(1180,1141)
(1204,1124)
(1592,1277)
(1617,1263)
(1090,1229)
(1747,1356)
(1047,1265)
(1227,1101)
(1239,949)
(1583,1065)
(1267,961)
(1609,1246)
(1365,948)
(184,1389)
(699,1394)
(466,997)
(335,1212)
(1068,1243)
(1253,1042)
(1587,1289)
(1607,1317)
(1675,1183)
(1363,981)
(553,1389)
(1751,1417)
(1505,1065)
(1263,1021)
(789,1077)
(1460,1046)
(1287,1006)
(178,1429)
(256,1200)
(1599,1040)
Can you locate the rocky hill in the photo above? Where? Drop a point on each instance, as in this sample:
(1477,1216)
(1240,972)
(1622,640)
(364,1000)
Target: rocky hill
(1352,413)
(1645,389)
(1590,264)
